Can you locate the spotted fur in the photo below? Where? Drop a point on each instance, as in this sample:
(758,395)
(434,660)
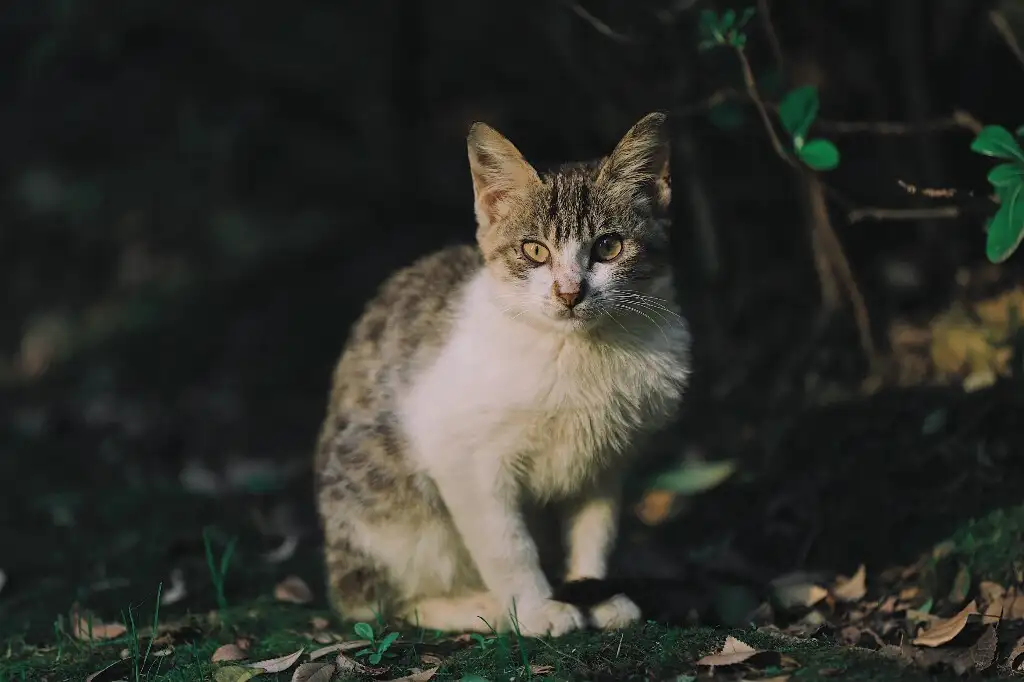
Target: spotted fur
(471,399)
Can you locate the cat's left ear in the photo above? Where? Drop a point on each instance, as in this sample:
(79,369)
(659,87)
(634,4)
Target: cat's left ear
(638,169)
(501,176)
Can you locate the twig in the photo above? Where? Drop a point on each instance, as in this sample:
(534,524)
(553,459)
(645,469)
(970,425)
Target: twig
(764,12)
(959,119)
(869,213)
(599,26)
(751,84)
(1002,26)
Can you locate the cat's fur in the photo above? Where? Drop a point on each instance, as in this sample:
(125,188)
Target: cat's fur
(468,394)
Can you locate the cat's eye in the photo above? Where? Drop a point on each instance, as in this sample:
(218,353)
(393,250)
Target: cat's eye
(536,252)
(607,248)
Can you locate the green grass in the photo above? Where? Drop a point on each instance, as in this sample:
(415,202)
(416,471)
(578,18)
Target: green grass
(992,547)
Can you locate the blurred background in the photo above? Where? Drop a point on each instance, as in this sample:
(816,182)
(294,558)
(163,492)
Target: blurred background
(196,200)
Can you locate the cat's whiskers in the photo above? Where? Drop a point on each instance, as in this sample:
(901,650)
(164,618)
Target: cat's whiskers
(637,311)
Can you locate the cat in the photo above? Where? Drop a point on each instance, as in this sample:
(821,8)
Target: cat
(523,373)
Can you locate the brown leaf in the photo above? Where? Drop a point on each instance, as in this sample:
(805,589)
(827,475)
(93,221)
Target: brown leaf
(323,637)
(430,660)
(536,669)
(316,671)
(983,652)
(799,595)
(421,676)
(227,652)
(1013,605)
(279,664)
(908,593)
(1016,659)
(99,672)
(655,506)
(853,588)
(350,665)
(86,627)
(992,595)
(961,585)
(733,651)
(177,591)
(945,630)
(319,623)
(340,646)
(293,589)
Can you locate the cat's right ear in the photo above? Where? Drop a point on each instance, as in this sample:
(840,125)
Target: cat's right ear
(501,176)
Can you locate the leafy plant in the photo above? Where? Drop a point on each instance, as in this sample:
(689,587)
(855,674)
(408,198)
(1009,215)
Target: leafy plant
(378,649)
(218,570)
(725,29)
(797,112)
(1006,228)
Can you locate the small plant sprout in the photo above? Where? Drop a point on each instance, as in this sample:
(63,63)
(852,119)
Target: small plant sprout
(218,570)
(797,112)
(725,30)
(1006,228)
(378,649)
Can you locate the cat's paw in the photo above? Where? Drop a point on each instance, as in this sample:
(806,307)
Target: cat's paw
(549,617)
(615,613)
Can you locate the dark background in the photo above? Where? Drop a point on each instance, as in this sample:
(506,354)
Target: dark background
(197,199)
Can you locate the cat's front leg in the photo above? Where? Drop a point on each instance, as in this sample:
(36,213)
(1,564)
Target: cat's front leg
(591,529)
(484,504)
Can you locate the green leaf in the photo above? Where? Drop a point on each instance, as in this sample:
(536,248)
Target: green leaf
(819,154)
(364,630)
(998,142)
(694,477)
(387,641)
(236,673)
(747,15)
(798,109)
(1006,174)
(728,115)
(728,21)
(374,658)
(1007,227)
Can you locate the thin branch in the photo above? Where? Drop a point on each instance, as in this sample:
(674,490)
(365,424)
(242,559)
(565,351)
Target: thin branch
(751,84)
(959,119)
(764,12)
(599,26)
(1002,26)
(869,213)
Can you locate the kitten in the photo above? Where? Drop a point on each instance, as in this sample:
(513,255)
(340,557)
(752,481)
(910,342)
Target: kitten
(483,382)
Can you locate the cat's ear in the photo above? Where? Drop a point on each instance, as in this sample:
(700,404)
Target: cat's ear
(501,175)
(638,169)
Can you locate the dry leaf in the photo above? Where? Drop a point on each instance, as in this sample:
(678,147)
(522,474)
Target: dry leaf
(85,627)
(541,669)
(166,651)
(800,594)
(430,660)
(279,664)
(733,651)
(317,671)
(323,637)
(350,665)
(99,672)
(908,593)
(1016,659)
(983,653)
(227,652)
(243,643)
(293,589)
(961,585)
(284,552)
(852,589)
(319,623)
(235,673)
(421,676)
(177,590)
(945,630)
(655,506)
(340,646)
(992,594)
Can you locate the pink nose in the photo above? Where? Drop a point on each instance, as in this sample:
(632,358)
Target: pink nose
(569,297)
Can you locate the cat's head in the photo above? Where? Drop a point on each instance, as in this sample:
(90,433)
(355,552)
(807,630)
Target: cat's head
(578,246)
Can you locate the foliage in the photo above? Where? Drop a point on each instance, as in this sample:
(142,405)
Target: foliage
(1006,228)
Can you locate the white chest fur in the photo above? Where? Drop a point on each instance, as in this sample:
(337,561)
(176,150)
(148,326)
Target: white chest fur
(554,408)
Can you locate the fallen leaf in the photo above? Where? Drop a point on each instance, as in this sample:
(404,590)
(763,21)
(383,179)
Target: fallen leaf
(294,590)
(1016,659)
(1013,605)
(235,673)
(536,669)
(316,671)
(961,585)
(977,380)
(799,594)
(99,672)
(340,646)
(177,590)
(908,593)
(655,506)
(319,623)
(243,643)
(279,664)
(983,652)
(228,652)
(166,651)
(992,594)
(943,549)
(85,627)
(853,588)
(346,664)
(323,637)
(945,630)
(430,660)
(733,651)
(283,552)
(421,676)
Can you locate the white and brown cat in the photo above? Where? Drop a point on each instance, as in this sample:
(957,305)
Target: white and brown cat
(482,383)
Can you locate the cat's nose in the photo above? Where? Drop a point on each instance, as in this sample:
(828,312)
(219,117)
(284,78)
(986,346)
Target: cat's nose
(569,296)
